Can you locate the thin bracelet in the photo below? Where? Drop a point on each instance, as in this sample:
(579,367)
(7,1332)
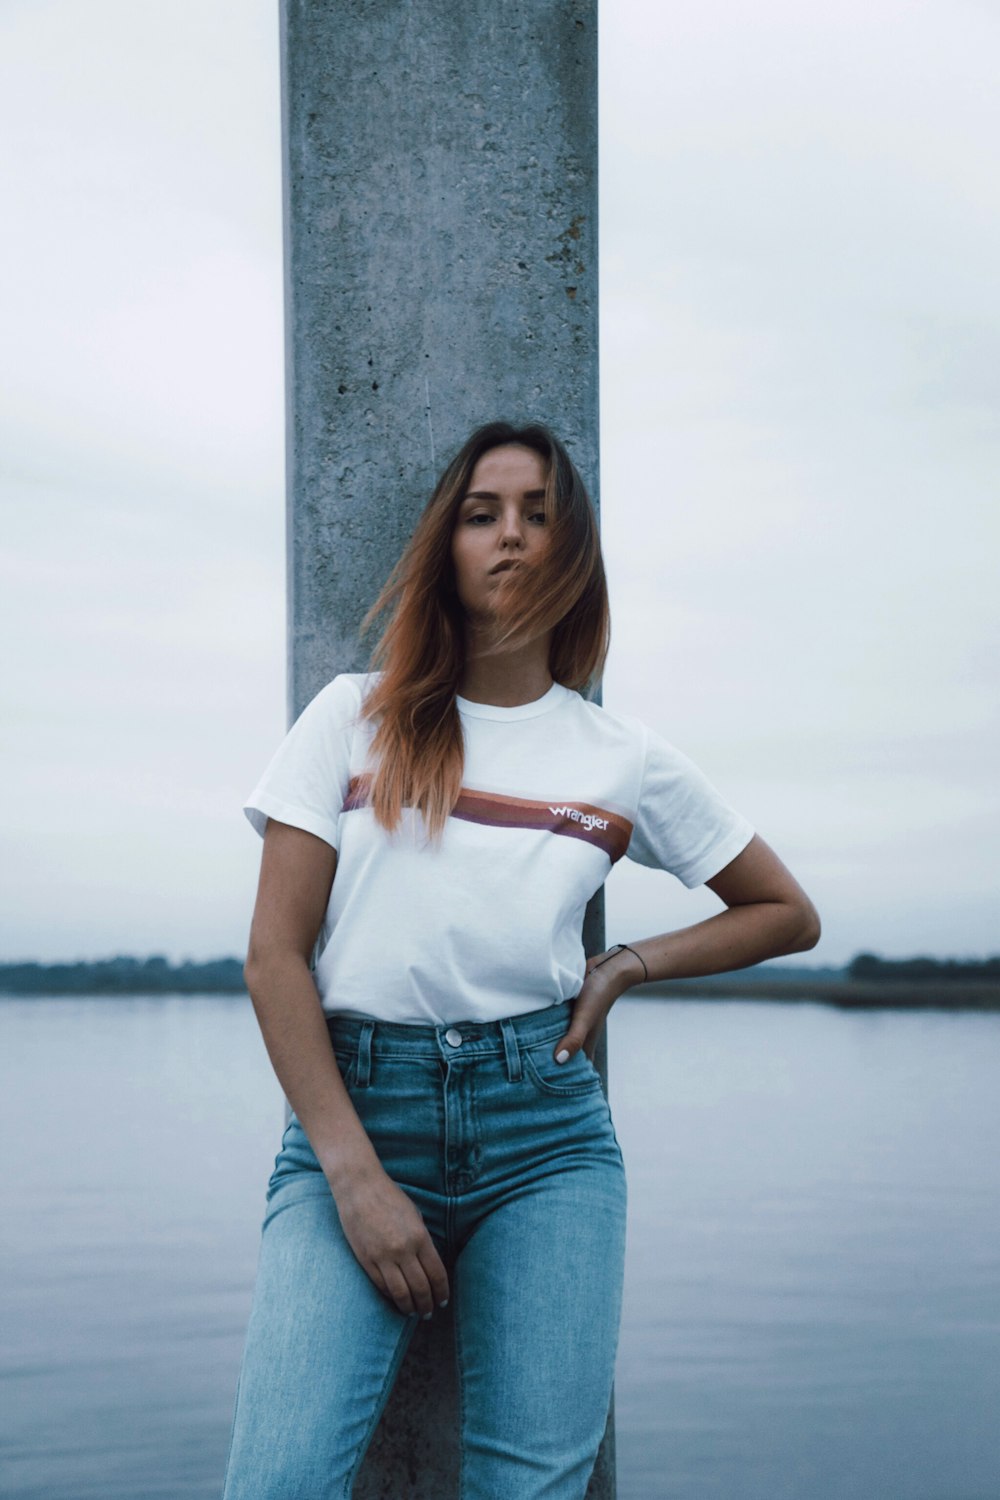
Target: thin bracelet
(645,971)
(628,949)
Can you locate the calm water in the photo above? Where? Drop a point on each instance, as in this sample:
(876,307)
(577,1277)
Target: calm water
(813,1288)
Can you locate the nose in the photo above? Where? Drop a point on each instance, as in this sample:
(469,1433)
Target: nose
(512,529)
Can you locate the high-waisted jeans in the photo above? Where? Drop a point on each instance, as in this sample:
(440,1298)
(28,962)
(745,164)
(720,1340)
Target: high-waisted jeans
(513,1162)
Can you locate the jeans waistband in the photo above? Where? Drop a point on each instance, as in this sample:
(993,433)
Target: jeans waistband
(369,1037)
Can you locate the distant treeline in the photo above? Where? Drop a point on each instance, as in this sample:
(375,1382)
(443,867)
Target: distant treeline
(224,976)
(868,966)
(124,976)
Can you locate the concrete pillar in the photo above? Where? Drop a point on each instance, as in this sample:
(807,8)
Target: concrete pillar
(440,213)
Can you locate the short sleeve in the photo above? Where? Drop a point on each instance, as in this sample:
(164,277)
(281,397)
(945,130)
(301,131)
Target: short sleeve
(306,781)
(682,823)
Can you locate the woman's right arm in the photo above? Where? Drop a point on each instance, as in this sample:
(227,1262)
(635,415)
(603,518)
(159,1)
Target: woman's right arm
(383,1226)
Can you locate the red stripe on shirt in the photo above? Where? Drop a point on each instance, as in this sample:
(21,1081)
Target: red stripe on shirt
(576,820)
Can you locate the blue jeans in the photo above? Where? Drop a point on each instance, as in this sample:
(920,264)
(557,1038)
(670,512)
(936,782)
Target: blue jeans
(513,1162)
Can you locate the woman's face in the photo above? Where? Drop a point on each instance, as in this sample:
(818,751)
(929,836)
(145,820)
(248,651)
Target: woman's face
(499,525)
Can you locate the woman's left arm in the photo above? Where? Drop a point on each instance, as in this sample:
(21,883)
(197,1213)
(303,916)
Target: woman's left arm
(767,914)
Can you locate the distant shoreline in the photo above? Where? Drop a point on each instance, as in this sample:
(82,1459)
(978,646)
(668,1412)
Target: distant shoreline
(929,994)
(867,983)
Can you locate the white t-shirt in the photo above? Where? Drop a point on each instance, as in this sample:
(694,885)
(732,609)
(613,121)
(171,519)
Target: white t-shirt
(487,923)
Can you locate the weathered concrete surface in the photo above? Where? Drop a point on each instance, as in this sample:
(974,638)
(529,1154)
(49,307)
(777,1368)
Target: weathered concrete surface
(440,186)
(441,270)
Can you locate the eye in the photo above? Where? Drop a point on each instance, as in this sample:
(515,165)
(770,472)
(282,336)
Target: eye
(538,516)
(477,517)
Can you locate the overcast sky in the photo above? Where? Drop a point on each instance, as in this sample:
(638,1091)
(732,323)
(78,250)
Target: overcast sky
(800,364)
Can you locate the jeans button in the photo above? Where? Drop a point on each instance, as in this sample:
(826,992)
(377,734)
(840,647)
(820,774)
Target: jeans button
(453,1037)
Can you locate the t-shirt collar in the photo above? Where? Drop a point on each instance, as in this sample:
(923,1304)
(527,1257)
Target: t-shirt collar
(556,694)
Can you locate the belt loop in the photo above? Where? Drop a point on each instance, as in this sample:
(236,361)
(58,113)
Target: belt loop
(364,1074)
(510,1048)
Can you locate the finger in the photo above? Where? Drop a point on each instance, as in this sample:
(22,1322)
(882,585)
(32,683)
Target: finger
(398,1288)
(435,1272)
(421,1295)
(377,1279)
(571,1042)
(580,1026)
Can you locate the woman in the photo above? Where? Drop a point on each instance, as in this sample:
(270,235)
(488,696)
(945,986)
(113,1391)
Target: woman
(450,1139)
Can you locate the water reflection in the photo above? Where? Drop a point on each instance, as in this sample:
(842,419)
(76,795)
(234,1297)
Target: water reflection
(812,1300)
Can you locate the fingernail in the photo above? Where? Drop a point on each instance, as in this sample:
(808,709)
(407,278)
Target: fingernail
(426,1316)
(562,1056)
(444,1303)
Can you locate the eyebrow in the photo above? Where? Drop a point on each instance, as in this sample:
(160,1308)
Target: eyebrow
(489,495)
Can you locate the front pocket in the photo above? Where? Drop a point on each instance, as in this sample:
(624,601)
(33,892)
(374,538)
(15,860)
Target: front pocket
(347,1062)
(577,1076)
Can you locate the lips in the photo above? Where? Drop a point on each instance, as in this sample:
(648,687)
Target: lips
(506,565)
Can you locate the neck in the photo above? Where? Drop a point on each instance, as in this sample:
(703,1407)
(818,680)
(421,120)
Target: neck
(508,678)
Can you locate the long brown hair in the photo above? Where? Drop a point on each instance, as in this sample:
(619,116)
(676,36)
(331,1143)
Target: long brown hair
(417,745)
